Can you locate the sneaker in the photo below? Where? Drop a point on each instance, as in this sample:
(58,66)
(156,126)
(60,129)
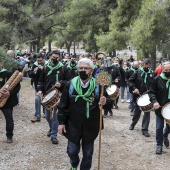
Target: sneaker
(159,150)
(54,140)
(104,116)
(131,113)
(35,119)
(49,133)
(127,101)
(9,140)
(122,100)
(31,86)
(166,142)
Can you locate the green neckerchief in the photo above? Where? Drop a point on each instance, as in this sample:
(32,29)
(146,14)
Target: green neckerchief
(53,67)
(167,83)
(77,86)
(145,74)
(140,67)
(71,68)
(36,63)
(2,70)
(133,69)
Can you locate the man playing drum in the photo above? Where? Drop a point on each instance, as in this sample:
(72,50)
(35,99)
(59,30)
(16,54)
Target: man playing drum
(139,83)
(51,75)
(159,94)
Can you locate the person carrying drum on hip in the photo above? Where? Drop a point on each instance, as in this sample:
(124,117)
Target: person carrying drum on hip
(139,84)
(52,75)
(115,73)
(159,94)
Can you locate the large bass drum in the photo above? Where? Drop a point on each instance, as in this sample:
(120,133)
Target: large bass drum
(166,113)
(144,103)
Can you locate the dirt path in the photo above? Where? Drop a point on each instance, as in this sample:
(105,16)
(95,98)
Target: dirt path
(122,149)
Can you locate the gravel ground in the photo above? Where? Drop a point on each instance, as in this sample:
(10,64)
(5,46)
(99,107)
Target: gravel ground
(121,148)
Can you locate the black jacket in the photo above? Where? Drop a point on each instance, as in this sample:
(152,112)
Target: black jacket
(13,99)
(70,74)
(46,81)
(136,81)
(159,93)
(73,115)
(115,72)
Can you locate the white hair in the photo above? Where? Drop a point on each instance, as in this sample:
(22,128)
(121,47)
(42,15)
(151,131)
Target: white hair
(87,61)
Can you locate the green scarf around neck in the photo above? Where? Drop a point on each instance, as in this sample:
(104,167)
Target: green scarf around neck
(133,69)
(76,82)
(167,83)
(145,74)
(36,63)
(71,68)
(53,67)
(2,70)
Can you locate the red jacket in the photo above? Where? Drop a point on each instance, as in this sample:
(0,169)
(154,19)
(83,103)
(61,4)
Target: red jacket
(158,70)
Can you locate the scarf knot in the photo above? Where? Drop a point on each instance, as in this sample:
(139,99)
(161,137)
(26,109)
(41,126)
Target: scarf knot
(53,67)
(145,74)
(78,88)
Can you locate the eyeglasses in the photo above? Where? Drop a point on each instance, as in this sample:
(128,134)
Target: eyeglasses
(84,69)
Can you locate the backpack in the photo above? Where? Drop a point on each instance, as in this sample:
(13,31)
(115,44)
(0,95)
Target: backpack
(97,93)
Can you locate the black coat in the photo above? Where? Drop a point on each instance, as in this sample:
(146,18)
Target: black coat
(35,75)
(70,74)
(136,81)
(73,115)
(13,99)
(46,81)
(159,93)
(115,73)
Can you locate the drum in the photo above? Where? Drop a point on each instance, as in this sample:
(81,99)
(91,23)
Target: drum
(166,113)
(144,103)
(113,91)
(51,99)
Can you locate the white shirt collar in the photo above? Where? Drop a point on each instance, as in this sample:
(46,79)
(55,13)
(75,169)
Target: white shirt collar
(84,85)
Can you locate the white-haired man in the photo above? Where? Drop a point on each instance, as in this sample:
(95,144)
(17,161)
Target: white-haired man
(79,114)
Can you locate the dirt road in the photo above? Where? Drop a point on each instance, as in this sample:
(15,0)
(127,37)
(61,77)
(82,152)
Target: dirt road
(122,149)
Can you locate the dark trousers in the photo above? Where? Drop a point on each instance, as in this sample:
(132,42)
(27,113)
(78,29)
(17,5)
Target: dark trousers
(73,152)
(9,121)
(145,120)
(160,134)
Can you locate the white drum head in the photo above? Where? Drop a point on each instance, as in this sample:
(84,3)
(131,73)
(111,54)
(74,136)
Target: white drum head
(49,96)
(111,90)
(143,100)
(166,111)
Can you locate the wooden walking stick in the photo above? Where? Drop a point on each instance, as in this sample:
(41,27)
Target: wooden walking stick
(103,79)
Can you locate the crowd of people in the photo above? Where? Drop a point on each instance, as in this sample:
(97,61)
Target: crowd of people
(77,115)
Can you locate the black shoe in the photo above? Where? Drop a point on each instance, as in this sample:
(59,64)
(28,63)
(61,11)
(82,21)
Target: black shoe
(116,107)
(146,134)
(9,140)
(111,113)
(49,133)
(35,120)
(166,142)
(159,150)
(131,127)
(54,140)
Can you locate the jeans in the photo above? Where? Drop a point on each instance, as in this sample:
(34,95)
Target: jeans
(8,114)
(132,107)
(145,120)
(160,134)
(73,152)
(122,90)
(53,123)
(37,107)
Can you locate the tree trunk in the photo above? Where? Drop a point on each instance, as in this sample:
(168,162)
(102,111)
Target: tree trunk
(153,59)
(68,45)
(30,47)
(49,45)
